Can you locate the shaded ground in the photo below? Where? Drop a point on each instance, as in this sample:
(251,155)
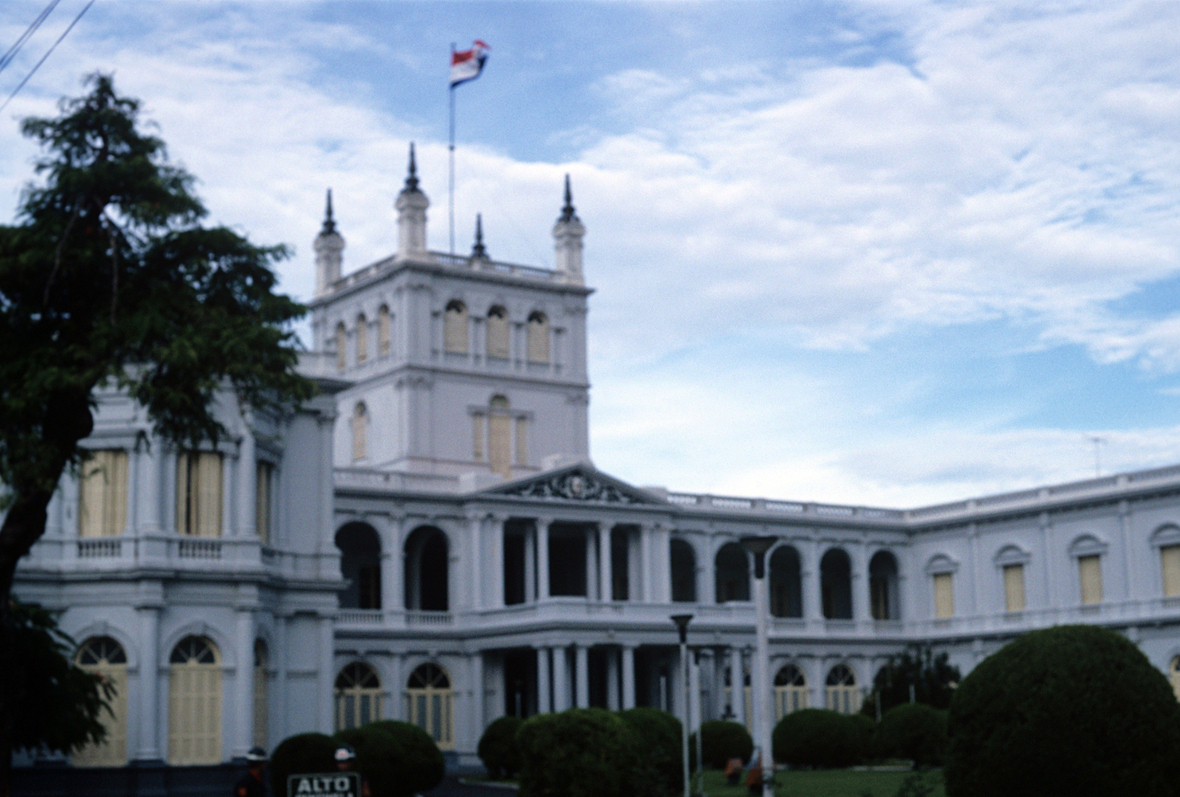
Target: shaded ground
(451,787)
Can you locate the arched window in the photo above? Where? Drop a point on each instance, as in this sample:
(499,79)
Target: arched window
(883,593)
(426,570)
(102,494)
(360,566)
(360,429)
(500,436)
(106,657)
(261,703)
(384,332)
(341,340)
(733,573)
(538,338)
(430,704)
(1011,560)
(362,339)
(835,579)
(786,585)
(684,567)
(790,691)
(358,696)
(842,693)
(194,703)
(1167,540)
(498,332)
(455,328)
(199,493)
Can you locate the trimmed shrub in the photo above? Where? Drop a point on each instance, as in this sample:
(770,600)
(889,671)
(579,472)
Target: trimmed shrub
(662,741)
(498,749)
(582,752)
(1072,710)
(419,765)
(816,737)
(300,754)
(866,728)
(912,730)
(721,740)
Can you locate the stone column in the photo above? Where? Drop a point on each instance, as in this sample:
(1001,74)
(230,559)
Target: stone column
(397,682)
(393,566)
(561,679)
(862,611)
(243,708)
(628,676)
(327,676)
(661,570)
(246,522)
(605,575)
(530,568)
(544,705)
(810,582)
(150,730)
(737,685)
(582,676)
(542,534)
(612,679)
(645,546)
(477,697)
(496,576)
(589,540)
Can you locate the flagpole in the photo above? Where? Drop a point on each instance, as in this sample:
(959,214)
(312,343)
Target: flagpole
(451,180)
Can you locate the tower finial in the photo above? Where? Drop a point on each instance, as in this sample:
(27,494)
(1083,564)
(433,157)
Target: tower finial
(412,177)
(479,250)
(567,212)
(329,223)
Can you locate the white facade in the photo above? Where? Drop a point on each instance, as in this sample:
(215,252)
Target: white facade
(440,549)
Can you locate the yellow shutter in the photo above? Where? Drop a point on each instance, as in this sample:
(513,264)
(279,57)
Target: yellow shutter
(1014,588)
(944,595)
(477,437)
(538,339)
(383,332)
(194,714)
(209,484)
(500,444)
(360,423)
(113,751)
(1170,558)
(265,472)
(341,355)
(102,494)
(362,339)
(1090,575)
(455,329)
(497,333)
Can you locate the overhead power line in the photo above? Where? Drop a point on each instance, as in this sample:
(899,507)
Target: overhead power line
(47,54)
(6,59)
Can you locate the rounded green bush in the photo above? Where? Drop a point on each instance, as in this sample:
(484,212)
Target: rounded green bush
(582,752)
(303,753)
(912,730)
(419,764)
(663,743)
(721,740)
(1072,710)
(498,749)
(816,737)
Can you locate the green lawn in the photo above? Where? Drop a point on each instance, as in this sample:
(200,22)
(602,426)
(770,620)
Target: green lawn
(828,783)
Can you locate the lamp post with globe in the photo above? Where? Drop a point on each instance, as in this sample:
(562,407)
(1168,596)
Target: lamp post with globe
(760,691)
(681,621)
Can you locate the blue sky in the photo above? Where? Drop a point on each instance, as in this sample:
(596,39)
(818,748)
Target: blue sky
(886,253)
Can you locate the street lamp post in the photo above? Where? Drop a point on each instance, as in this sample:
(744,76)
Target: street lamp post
(758,546)
(681,621)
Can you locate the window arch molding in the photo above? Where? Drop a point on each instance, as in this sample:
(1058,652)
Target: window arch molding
(228,657)
(1088,545)
(941,563)
(1011,554)
(104,629)
(1165,535)
(359,693)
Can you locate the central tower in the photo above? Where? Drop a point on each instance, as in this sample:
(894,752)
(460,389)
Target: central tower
(464,370)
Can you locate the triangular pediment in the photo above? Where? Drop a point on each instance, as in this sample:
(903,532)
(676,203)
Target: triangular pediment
(580,482)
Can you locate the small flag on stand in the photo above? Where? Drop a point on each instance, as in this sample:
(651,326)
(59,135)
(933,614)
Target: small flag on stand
(467,64)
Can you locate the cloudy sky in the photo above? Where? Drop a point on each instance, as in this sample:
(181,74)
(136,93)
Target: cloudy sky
(888,253)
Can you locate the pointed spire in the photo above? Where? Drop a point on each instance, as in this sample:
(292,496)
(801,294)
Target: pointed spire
(567,212)
(479,251)
(329,223)
(412,177)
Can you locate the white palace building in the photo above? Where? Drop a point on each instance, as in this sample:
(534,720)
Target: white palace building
(427,540)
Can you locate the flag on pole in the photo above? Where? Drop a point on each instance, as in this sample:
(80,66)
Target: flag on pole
(467,64)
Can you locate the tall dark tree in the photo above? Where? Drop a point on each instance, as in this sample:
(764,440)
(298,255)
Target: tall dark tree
(108,278)
(917,676)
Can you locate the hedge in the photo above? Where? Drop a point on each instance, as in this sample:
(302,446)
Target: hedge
(300,754)
(721,740)
(498,749)
(816,737)
(663,742)
(582,752)
(912,730)
(1072,710)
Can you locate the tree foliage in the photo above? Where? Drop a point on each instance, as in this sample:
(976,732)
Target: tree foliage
(498,749)
(581,752)
(932,678)
(1071,711)
(58,705)
(108,278)
(817,737)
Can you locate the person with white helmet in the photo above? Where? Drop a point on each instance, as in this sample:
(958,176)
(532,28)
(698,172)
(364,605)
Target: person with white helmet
(346,762)
(251,784)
